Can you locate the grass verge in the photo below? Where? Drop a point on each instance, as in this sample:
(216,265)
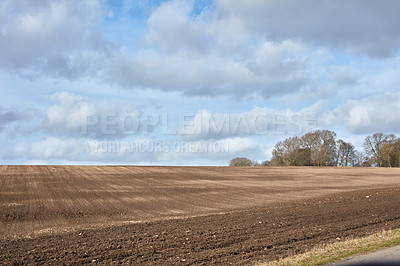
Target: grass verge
(339,250)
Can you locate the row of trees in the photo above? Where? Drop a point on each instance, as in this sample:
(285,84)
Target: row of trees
(320,148)
(242,161)
(383,150)
(317,148)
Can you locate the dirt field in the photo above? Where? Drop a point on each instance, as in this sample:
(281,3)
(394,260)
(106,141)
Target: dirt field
(187,215)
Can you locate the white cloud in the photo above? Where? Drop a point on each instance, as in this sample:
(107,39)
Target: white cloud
(10,116)
(378,113)
(238,49)
(138,151)
(50,148)
(69,114)
(363,27)
(241,145)
(200,55)
(78,150)
(264,122)
(213,152)
(336,59)
(72,115)
(272,69)
(56,38)
(172,28)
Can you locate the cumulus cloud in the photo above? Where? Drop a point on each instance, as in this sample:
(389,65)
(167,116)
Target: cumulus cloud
(318,63)
(50,148)
(199,55)
(82,150)
(378,113)
(362,27)
(272,69)
(55,38)
(239,146)
(214,152)
(232,48)
(72,115)
(172,27)
(236,50)
(137,151)
(205,125)
(69,114)
(8,116)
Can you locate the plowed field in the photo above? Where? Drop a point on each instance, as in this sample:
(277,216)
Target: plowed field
(187,215)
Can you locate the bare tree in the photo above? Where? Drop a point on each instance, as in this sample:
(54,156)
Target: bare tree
(322,146)
(311,141)
(283,153)
(373,146)
(314,148)
(360,159)
(266,163)
(390,152)
(240,161)
(345,153)
(302,157)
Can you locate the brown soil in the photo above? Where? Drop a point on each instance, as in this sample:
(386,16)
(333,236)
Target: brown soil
(187,215)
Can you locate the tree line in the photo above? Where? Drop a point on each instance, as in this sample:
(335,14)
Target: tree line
(321,148)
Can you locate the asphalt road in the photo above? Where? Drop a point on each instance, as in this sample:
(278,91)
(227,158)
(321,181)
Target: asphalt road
(386,256)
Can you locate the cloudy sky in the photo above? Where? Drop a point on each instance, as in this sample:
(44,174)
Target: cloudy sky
(191,82)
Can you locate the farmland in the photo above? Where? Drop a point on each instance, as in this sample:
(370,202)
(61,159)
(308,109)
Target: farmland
(187,215)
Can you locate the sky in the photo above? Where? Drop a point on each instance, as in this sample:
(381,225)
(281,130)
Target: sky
(195,82)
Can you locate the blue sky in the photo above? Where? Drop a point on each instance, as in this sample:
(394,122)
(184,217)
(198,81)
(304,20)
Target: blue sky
(191,82)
